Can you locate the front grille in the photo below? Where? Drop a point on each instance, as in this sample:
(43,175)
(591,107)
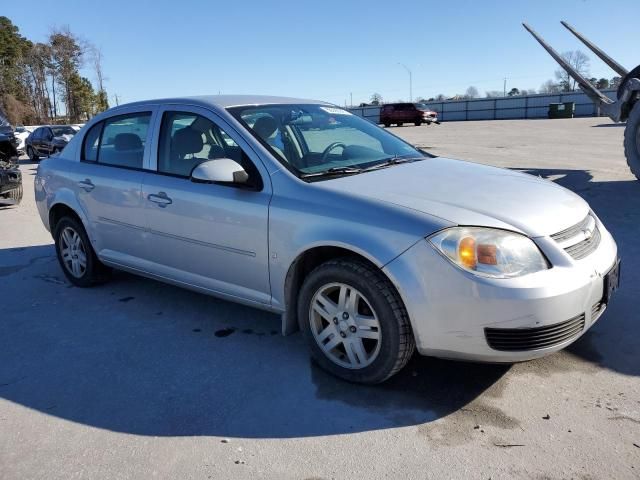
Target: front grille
(572,231)
(523,339)
(597,310)
(581,239)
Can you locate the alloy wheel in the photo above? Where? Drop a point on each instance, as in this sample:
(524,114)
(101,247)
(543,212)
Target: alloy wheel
(345,326)
(72,250)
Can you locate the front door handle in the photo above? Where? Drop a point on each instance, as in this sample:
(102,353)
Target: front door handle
(160,198)
(86,184)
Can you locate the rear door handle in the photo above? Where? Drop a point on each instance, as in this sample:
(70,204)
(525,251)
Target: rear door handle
(86,184)
(160,198)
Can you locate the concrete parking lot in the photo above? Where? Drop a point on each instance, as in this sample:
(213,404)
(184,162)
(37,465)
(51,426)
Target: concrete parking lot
(137,379)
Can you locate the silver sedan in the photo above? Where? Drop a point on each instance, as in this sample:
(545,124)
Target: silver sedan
(370,246)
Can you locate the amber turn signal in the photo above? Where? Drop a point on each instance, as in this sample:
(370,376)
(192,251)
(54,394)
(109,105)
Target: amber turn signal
(467,252)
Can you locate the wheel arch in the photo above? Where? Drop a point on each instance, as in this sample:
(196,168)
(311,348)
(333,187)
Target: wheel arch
(60,209)
(303,264)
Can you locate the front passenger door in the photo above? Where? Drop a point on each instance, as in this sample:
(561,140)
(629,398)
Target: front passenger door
(46,140)
(207,235)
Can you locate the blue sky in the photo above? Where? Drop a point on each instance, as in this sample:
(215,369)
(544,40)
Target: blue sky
(328,49)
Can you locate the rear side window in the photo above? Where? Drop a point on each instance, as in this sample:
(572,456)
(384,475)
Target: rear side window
(91,143)
(122,141)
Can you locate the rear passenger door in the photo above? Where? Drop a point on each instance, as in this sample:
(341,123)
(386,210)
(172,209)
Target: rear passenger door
(207,235)
(108,185)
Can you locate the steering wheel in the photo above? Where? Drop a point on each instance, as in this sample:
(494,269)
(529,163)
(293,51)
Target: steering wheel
(331,147)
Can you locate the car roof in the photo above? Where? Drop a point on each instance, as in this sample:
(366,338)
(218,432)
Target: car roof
(224,101)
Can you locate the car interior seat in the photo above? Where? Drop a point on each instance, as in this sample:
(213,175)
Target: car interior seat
(186,141)
(127,151)
(265,127)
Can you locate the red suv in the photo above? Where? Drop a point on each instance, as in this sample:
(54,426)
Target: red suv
(400,113)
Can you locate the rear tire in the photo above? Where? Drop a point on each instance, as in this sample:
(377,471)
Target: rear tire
(354,321)
(76,255)
(632,140)
(387,124)
(400,124)
(418,123)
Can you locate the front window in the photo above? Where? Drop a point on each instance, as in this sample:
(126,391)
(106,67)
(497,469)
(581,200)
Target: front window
(312,140)
(59,131)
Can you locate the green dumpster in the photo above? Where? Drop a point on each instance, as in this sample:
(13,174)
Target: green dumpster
(562,110)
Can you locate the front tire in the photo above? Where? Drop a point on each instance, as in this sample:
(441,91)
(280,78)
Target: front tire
(32,154)
(12,197)
(76,255)
(354,321)
(400,124)
(632,140)
(417,123)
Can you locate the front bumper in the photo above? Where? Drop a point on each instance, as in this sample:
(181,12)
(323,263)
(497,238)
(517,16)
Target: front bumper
(450,308)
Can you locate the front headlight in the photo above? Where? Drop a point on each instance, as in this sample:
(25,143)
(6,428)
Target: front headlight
(489,252)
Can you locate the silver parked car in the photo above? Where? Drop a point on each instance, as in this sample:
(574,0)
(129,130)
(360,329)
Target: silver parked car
(370,246)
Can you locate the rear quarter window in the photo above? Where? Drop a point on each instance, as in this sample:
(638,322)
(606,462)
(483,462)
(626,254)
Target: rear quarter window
(91,143)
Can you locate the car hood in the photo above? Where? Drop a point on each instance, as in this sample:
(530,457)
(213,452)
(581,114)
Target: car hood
(467,193)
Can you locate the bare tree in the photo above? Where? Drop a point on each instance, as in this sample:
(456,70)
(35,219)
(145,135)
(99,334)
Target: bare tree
(550,87)
(68,56)
(96,60)
(472,92)
(494,93)
(440,97)
(37,68)
(376,99)
(102,99)
(580,62)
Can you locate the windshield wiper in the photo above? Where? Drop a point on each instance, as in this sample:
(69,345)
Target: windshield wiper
(333,171)
(393,161)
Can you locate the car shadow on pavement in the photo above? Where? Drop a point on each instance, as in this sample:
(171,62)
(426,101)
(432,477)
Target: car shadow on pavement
(612,342)
(145,358)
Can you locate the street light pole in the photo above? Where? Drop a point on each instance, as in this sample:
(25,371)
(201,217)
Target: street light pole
(410,81)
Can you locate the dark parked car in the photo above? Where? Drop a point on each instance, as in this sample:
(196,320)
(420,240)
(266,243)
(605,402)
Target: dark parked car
(401,113)
(10,176)
(47,140)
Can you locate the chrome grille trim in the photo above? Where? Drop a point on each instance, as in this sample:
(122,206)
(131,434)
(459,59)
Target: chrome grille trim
(585,247)
(581,239)
(573,231)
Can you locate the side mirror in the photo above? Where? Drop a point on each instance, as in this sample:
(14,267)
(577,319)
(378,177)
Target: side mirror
(220,170)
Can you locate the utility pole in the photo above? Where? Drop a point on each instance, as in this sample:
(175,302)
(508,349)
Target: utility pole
(351,99)
(504,90)
(116,98)
(410,81)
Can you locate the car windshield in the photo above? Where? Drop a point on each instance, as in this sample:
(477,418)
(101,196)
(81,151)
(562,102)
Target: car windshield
(312,140)
(58,131)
